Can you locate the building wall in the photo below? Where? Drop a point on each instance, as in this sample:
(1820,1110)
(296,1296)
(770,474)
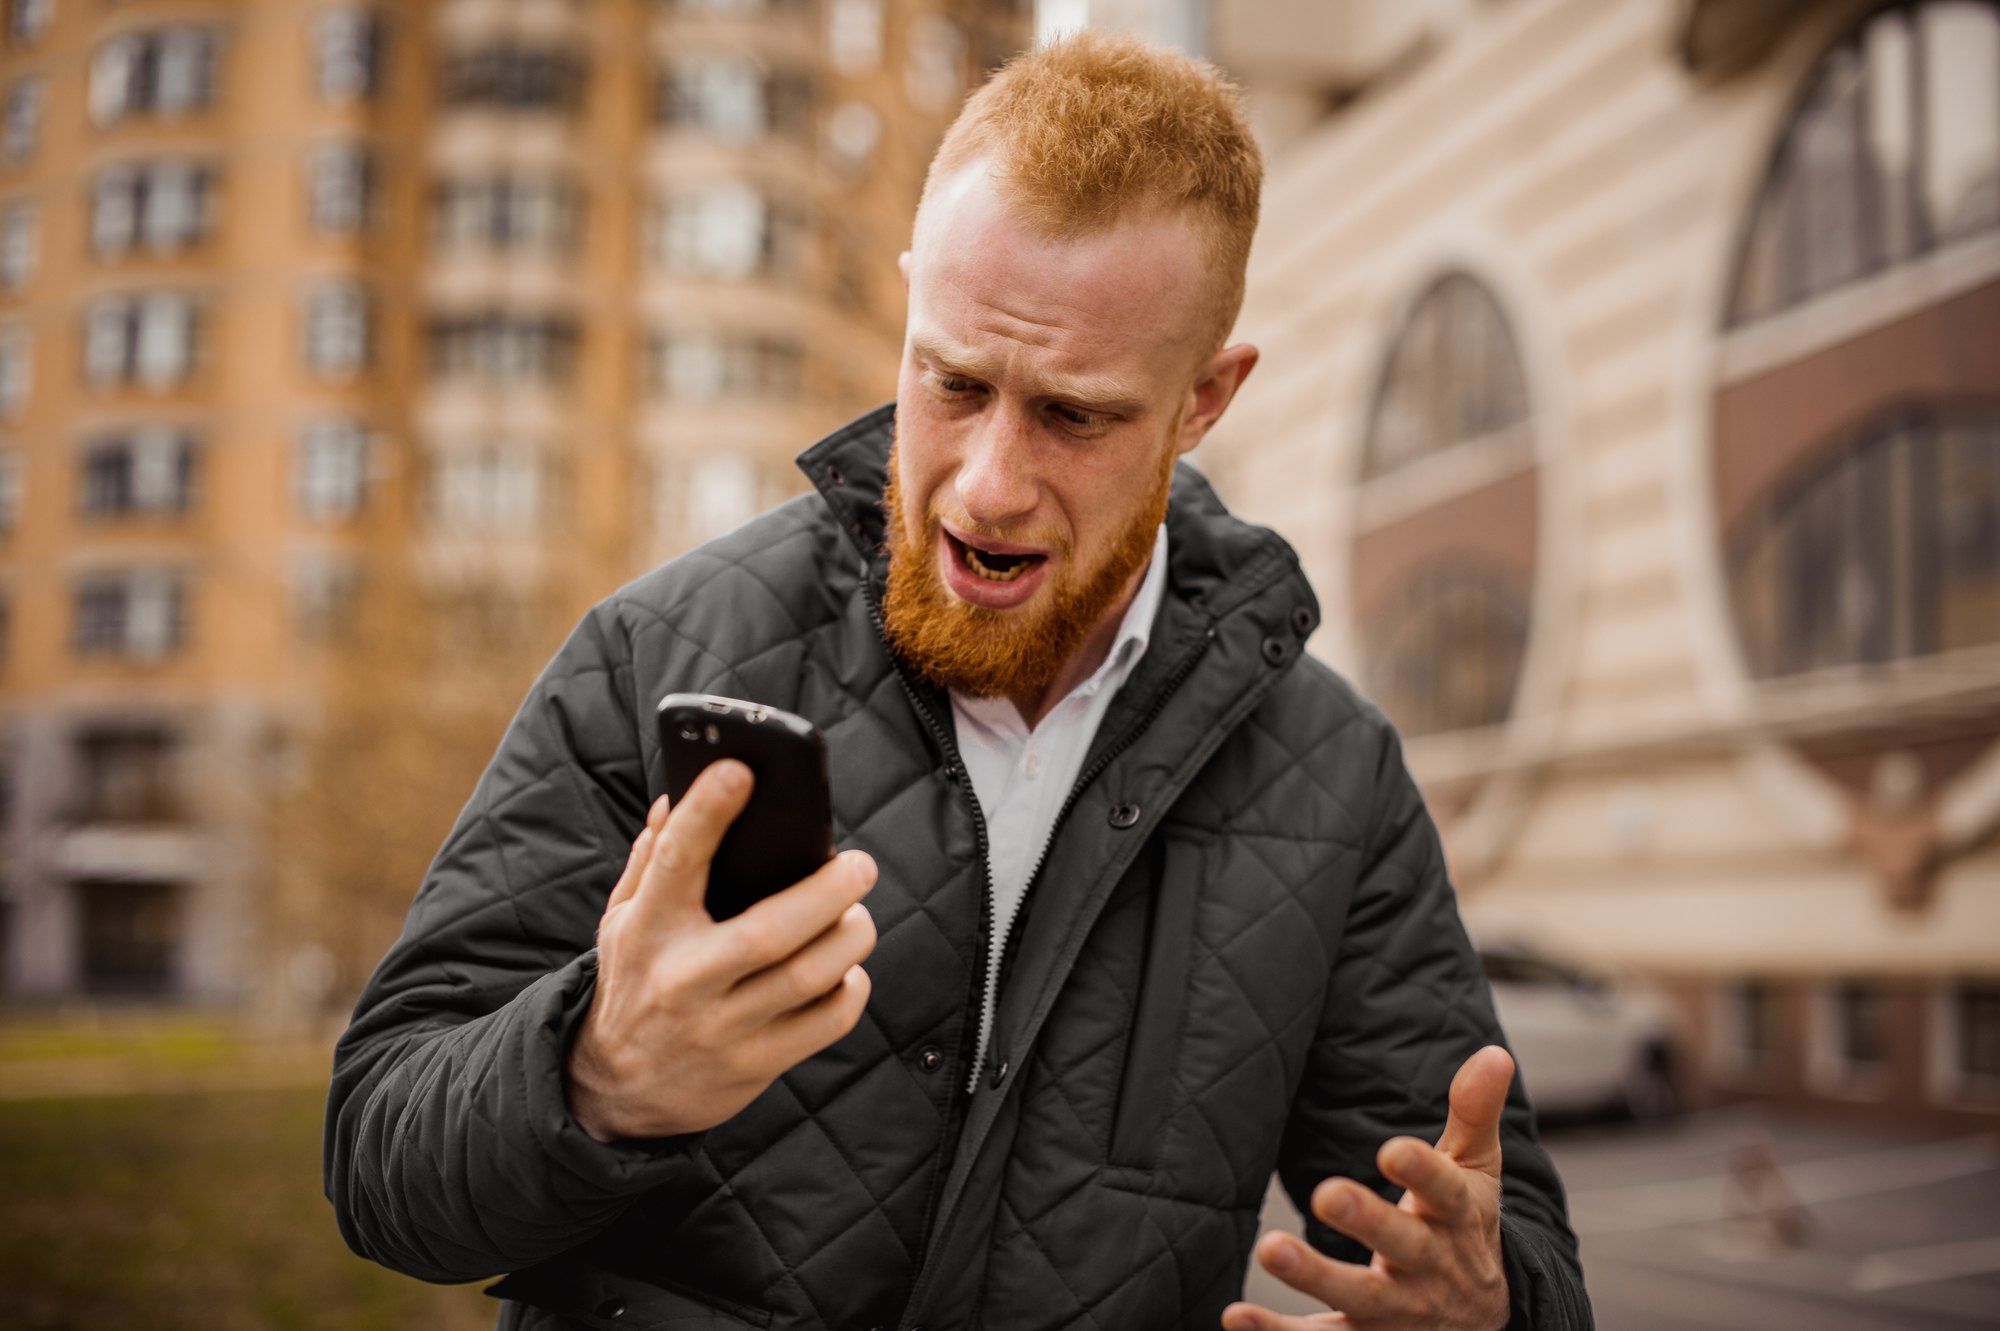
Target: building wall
(1647,804)
(265,577)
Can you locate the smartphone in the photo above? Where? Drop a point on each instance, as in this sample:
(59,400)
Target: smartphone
(786,831)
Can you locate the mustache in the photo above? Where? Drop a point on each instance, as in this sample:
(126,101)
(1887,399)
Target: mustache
(1047,538)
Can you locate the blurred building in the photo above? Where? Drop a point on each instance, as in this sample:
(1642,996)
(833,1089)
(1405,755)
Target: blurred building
(1631,389)
(518,291)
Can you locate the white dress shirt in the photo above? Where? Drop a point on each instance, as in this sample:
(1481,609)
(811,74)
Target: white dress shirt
(1022,778)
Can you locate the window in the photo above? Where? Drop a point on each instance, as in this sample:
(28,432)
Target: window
(331,469)
(347,53)
(853,129)
(323,590)
(733,99)
(10,491)
(149,471)
(1857,1015)
(1444,652)
(22,127)
(499,348)
(1883,548)
(27,20)
(1893,152)
(1976,1023)
(513,78)
(138,614)
(491,490)
(128,773)
(342,188)
(706,367)
(1454,378)
(1751,1027)
(17,371)
(164,72)
(936,55)
(705,496)
(854,35)
(506,213)
(336,330)
(145,339)
(128,936)
(727,229)
(1444,555)
(163,205)
(20,244)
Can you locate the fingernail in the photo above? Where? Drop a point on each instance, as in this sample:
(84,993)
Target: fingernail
(1285,1257)
(1338,1206)
(864,866)
(735,776)
(657,814)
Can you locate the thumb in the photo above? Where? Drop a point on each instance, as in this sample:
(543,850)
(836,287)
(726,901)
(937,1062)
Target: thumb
(1478,1095)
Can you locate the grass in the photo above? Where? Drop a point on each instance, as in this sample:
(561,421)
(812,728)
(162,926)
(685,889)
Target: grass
(197,1209)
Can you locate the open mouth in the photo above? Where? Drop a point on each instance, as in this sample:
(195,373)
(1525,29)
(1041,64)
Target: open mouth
(992,565)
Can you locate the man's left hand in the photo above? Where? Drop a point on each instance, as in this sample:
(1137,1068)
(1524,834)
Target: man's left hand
(1437,1252)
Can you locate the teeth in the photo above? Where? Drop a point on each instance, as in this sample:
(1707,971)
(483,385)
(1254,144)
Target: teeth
(979,566)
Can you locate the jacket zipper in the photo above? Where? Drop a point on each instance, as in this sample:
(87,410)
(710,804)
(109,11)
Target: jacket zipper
(1010,945)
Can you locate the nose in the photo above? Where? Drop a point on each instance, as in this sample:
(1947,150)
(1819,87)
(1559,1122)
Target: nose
(996,483)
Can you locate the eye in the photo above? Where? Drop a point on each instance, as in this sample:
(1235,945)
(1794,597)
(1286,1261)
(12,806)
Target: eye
(952,385)
(1083,420)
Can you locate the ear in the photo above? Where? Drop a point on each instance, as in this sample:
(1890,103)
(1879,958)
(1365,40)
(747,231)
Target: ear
(1214,387)
(903,267)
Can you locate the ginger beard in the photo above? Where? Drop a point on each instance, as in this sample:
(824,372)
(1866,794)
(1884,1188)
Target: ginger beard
(1015,652)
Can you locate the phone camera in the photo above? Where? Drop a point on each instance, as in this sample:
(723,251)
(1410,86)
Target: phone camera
(689,732)
(714,735)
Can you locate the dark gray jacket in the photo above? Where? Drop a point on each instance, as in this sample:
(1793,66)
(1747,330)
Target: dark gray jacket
(1242,953)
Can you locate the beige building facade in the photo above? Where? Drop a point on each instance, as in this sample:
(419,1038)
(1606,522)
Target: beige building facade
(522,295)
(1631,391)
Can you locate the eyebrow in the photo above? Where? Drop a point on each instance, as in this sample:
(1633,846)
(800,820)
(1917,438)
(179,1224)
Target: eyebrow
(1084,390)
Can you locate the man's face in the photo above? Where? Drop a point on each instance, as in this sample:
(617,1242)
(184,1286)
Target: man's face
(1046,389)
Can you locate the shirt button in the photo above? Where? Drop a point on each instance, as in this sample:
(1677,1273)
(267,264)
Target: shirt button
(930,1058)
(1031,766)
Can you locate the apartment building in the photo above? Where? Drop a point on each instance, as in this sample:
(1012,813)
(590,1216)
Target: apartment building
(524,294)
(1631,390)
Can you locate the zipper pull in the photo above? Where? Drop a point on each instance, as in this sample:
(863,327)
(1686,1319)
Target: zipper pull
(999,1072)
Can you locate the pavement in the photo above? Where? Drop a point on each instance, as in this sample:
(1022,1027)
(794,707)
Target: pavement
(1750,1218)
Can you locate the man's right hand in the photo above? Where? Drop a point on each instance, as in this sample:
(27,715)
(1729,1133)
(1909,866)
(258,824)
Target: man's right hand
(693,1019)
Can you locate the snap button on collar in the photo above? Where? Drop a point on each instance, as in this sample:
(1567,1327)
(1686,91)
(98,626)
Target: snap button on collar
(1124,815)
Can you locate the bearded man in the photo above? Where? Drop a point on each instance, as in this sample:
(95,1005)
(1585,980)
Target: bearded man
(1153,909)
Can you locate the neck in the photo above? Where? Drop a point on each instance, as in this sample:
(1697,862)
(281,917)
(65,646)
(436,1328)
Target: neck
(1086,659)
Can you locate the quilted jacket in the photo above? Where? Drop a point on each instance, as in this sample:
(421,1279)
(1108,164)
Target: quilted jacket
(1241,954)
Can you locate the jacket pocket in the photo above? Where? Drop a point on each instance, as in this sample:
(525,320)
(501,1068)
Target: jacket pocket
(1152,1050)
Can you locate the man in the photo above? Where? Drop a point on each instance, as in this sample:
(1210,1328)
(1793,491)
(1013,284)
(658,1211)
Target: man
(1152,906)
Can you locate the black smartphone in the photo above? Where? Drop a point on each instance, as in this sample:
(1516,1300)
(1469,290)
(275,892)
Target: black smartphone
(786,831)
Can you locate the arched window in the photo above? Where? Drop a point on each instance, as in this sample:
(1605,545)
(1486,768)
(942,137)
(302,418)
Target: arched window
(1884,547)
(1445,534)
(1857,462)
(1893,153)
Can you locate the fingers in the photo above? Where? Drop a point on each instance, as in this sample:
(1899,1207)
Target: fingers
(1478,1096)
(675,880)
(1359,1291)
(808,973)
(1437,1182)
(635,863)
(781,924)
(1398,1237)
(803,1032)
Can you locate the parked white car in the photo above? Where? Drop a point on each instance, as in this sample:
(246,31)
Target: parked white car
(1584,1042)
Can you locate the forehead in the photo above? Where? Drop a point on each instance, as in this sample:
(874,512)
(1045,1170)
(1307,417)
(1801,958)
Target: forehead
(1128,298)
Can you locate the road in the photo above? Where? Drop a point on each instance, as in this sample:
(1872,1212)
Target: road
(1894,1232)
